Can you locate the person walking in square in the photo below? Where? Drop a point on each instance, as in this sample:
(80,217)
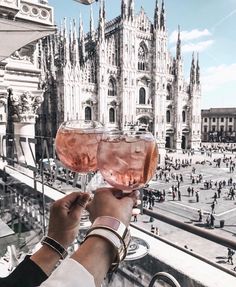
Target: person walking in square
(230,256)
(212,221)
(215,197)
(189,190)
(192,191)
(179,195)
(213,207)
(197,196)
(200,215)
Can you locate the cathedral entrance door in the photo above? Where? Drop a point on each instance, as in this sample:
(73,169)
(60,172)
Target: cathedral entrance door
(183,144)
(168,142)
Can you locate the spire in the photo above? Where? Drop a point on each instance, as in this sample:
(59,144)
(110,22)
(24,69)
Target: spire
(162,16)
(124,9)
(81,40)
(66,43)
(81,28)
(131,9)
(156,16)
(198,71)
(192,71)
(178,46)
(102,10)
(101,28)
(91,22)
(74,45)
(71,40)
(52,56)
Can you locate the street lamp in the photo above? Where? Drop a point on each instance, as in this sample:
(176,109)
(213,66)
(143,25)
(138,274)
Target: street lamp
(86,2)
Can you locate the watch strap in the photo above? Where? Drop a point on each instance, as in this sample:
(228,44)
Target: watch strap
(112,224)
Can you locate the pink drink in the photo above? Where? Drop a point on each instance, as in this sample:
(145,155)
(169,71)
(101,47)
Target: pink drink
(77,149)
(127,162)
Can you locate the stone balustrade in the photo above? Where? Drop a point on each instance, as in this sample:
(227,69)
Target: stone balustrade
(36,11)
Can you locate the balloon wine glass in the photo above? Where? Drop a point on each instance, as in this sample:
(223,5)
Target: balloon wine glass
(127,160)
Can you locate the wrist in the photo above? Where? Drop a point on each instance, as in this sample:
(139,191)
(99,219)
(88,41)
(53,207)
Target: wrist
(46,258)
(114,232)
(46,252)
(100,257)
(61,239)
(55,246)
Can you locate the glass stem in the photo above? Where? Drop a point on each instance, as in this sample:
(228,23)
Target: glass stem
(84,179)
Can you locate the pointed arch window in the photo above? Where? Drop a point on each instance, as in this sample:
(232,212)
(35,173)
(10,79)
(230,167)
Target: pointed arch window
(111,115)
(111,88)
(183,116)
(88,114)
(168,116)
(142,57)
(169,92)
(142,96)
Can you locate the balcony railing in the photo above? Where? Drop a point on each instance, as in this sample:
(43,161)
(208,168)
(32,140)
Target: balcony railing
(36,12)
(17,157)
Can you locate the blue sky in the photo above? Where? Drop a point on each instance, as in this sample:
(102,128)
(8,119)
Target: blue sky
(207,27)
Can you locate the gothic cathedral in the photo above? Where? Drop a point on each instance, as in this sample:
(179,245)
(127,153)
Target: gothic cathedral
(123,75)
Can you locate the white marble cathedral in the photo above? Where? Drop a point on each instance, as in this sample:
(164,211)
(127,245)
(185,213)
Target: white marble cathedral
(122,74)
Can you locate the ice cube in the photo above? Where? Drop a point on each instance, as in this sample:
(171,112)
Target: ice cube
(130,139)
(120,164)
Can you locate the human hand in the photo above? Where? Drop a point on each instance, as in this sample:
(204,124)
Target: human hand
(65,217)
(112,202)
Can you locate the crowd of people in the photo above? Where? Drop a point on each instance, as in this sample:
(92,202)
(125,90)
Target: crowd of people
(172,174)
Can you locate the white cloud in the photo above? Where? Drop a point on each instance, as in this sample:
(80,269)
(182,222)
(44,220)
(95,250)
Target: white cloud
(189,35)
(215,77)
(197,47)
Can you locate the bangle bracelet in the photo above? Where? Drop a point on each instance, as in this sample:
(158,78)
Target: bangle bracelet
(116,232)
(55,246)
(111,237)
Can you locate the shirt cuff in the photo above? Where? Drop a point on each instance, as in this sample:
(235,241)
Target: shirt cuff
(70,273)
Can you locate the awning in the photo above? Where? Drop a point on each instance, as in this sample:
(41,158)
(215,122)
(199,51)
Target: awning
(15,34)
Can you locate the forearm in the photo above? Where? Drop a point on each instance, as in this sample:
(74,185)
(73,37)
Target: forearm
(27,274)
(96,255)
(46,258)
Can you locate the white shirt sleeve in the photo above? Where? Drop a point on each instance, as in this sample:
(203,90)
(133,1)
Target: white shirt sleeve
(69,274)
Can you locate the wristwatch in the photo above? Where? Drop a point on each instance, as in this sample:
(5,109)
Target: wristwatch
(115,232)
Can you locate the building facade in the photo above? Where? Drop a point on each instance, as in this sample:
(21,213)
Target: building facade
(22,24)
(123,75)
(219,125)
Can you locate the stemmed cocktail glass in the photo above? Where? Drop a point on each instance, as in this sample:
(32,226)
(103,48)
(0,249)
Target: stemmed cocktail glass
(127,159)
(76,146)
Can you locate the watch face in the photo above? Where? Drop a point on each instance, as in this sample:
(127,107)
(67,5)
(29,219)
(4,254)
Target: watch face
(109,221)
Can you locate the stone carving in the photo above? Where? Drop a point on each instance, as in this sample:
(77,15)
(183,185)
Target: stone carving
(24,106)
(3,99)
(144,111)
(17,56)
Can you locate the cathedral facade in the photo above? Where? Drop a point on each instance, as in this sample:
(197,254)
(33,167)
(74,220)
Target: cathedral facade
(123,75)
